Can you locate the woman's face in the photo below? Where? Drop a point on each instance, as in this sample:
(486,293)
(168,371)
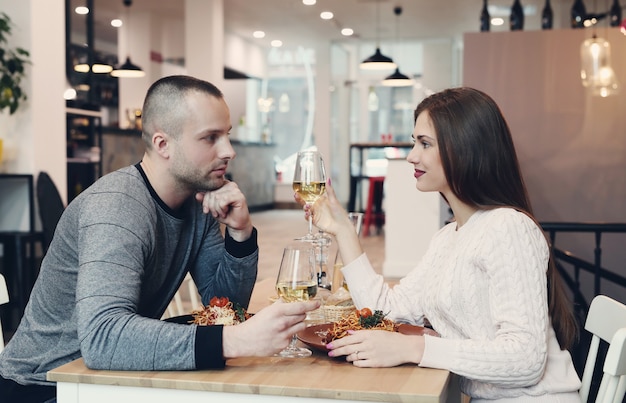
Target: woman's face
(425,157)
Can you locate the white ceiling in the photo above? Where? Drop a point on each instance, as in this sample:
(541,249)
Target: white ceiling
(296,24)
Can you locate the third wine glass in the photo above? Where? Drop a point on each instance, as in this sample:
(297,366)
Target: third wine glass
(297,282)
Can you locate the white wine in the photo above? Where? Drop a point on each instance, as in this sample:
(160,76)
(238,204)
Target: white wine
(300,291)
(310,192)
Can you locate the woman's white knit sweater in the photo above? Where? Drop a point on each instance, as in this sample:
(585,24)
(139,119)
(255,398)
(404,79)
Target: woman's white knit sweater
(483,287)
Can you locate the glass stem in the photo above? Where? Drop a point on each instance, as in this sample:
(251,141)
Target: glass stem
(292,344)
(310,225)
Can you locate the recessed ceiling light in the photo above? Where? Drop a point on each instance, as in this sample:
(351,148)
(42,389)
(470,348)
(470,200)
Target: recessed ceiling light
(309,2)
(81,10)
(497,21)
(116,23)
(347,32)
(277,43)
(326,15)
(258,34)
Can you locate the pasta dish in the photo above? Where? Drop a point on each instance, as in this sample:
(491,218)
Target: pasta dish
(360,320)
(220,311)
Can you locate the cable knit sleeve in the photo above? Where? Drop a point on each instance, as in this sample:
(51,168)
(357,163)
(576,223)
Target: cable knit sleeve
(497,329)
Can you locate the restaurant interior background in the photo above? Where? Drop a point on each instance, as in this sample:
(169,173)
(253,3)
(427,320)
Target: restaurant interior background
(310,91)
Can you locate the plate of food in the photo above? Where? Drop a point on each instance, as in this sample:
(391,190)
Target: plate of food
(220,311)
(317,336)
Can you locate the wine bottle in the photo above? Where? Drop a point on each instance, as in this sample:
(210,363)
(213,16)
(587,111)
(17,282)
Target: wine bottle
(615,14)
(485,18)
(517,16)
(546,16)
(579,14)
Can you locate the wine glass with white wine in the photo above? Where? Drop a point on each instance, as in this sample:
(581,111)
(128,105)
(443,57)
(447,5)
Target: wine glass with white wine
(297,281)
(309,181)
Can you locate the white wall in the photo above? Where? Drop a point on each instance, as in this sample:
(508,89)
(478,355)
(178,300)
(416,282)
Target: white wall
(571,146)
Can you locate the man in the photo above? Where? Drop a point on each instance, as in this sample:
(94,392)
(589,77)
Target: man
(122,248)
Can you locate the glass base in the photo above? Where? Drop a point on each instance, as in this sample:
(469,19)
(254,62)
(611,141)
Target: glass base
(295,352)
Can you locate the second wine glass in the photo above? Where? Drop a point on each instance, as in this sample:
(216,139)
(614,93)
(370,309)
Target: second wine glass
(297,281)
(309,181)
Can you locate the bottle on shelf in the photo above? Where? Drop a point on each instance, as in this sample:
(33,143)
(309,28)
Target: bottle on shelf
(547,16)
(516,19)
(615,14)
(579,14)
(485,18)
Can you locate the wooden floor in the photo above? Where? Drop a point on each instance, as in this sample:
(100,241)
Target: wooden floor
(278,228)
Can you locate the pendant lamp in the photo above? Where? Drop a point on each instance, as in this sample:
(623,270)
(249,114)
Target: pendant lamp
(98,67)
(596,71)
(377,61)
(397,79)
(128,69)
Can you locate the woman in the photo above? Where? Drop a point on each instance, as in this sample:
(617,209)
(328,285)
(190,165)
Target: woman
(486,284)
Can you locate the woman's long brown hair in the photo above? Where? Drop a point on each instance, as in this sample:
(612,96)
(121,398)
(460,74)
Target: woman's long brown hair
(482,170)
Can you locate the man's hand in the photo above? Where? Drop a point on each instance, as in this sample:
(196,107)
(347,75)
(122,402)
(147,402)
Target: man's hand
(267,332)
(228,205)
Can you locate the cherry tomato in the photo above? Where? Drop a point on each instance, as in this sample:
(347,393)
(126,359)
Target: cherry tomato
(365,313)
(219,301)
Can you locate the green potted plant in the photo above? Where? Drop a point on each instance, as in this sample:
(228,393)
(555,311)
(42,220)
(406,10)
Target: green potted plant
(12,64)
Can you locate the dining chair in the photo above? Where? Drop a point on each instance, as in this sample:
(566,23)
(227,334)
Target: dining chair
(176,306)
(613,386)
(50,207)
(4,299)
(606,321)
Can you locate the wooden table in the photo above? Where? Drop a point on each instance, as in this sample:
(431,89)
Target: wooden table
(264,379)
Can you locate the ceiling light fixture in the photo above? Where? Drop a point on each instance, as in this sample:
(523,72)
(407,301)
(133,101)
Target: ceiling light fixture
(596,71)
(397,79)
(98,67)
(377,61)
(128,69)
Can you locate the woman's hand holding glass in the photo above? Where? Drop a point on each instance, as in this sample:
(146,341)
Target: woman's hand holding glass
(309,182)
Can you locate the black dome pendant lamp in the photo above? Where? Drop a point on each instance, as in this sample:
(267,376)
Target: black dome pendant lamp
(377,61)
(128,69)
(397,79)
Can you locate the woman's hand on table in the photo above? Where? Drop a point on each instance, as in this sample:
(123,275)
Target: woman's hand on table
(268,331)
(378,348)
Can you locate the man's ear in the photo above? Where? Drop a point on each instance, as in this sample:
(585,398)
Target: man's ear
(161,143)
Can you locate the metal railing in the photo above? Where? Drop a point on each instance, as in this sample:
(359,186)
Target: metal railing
(571,266)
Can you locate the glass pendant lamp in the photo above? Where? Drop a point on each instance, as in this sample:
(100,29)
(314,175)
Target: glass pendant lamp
(596,71)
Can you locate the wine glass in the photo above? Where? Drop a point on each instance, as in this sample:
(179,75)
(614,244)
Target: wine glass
(297,281)
(309,181)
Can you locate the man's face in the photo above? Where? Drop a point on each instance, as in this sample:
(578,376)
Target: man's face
(202,151)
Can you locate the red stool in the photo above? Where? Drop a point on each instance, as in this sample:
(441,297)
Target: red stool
(373,210)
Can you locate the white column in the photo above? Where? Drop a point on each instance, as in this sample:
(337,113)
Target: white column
(321,125)
(135,40)
(204,40)
(37,129)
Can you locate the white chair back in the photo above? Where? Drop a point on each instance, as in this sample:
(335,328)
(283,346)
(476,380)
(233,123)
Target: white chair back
(177,307)
(4,298)
(613,386)
(605,318)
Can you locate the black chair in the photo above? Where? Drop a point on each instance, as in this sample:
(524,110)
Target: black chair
(50,207)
